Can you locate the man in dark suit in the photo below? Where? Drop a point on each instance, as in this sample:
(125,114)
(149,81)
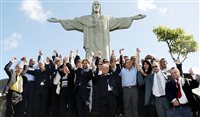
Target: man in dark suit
(115,70)
(66,104)
(179,94)
(83,87)
(29,92)
(15,88)
(42,84)
(106,87)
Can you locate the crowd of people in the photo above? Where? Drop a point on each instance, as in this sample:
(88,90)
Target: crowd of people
(95,87)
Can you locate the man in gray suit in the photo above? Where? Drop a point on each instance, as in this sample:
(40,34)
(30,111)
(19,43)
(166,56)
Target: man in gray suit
(155,90)
(15,88)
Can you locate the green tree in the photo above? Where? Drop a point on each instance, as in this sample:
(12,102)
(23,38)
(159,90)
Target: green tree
(179,43)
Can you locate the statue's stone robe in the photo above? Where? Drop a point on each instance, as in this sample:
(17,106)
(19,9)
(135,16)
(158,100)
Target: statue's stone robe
(96,31)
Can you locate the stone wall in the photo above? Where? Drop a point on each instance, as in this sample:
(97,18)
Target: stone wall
(2,106)
(2,98)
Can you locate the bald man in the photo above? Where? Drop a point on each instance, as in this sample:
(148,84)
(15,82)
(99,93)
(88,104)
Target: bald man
(179,94)
(15,88)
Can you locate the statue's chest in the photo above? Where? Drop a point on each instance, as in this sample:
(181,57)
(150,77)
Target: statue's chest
(98,21)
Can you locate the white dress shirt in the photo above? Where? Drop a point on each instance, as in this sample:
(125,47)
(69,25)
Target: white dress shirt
(183,99)
(156,87)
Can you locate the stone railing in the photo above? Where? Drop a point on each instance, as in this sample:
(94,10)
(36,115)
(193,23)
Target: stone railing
(2,106)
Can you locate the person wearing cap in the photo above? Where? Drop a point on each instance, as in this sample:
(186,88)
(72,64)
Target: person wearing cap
(14,88)
(106,87)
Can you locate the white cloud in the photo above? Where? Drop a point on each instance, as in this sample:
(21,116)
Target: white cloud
(145,5)
(12,42)
(162,10)
(34,10)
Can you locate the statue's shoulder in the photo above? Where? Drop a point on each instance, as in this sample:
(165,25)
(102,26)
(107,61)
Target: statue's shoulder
(85,17)
(105,16)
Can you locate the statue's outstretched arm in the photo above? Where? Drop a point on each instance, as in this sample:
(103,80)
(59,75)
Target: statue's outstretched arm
(138,17)
(54,20)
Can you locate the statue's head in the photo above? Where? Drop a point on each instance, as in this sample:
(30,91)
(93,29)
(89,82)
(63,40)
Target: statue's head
(96,7)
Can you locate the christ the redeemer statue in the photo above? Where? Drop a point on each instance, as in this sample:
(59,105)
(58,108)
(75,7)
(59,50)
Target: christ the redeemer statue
(96,29)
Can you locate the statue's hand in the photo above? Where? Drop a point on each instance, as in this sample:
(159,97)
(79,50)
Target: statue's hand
(138,17)
(54,20)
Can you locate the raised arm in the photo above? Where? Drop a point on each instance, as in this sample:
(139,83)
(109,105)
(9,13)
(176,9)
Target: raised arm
(8,65)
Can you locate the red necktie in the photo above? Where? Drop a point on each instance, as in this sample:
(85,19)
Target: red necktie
(179,90)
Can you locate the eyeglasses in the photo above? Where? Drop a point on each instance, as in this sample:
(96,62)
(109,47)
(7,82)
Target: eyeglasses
(154,66)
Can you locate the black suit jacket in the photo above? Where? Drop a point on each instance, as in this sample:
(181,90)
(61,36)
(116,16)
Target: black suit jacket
(82,82)
(43,75)
(172,91)
(13,76)
(102,82)
(116,80)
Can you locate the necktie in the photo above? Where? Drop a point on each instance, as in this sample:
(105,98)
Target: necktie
(179,89)
(160,88)
(20,83)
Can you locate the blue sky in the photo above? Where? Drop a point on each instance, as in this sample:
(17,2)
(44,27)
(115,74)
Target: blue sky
(24,29)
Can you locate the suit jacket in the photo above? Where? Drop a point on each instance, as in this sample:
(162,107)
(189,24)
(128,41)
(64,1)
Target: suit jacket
(117,80)
(172,91)
(43,75)
(13,76)
(82,82)
(148,82)
(102,82)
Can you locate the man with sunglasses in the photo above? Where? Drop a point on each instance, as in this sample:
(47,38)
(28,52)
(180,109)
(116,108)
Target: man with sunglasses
(155,90)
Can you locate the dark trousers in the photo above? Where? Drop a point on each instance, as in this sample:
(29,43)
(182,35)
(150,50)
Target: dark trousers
(64,106)
(141,107)
(95,107)
(107,106)
(54,102)
(41,102)
(82,106)
(13,110)
(28,98)
(182,111)
(130,97)
(150,111)
(120,104)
